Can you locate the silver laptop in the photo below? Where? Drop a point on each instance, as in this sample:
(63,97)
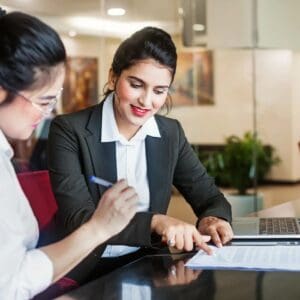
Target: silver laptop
(269,231)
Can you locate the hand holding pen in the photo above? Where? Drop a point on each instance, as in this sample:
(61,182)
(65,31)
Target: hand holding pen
(116,207)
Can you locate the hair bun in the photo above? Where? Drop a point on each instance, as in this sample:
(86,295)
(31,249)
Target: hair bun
(2,12)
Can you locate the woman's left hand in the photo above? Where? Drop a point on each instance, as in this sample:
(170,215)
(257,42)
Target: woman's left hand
(219,230)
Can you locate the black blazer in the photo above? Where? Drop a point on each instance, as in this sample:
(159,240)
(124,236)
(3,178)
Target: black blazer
(75,152)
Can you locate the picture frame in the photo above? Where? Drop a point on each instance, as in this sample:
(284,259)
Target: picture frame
(194,81)
(81,84)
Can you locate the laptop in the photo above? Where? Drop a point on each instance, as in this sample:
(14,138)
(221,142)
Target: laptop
(266,231)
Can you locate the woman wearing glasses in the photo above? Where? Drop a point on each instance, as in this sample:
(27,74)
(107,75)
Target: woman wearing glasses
(32,68)
(124,136)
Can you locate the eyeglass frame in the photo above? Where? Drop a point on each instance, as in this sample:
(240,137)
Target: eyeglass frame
(45,110)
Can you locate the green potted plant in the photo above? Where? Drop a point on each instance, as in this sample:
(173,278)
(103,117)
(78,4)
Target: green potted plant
(237,165)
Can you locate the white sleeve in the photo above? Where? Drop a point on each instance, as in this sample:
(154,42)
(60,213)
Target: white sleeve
(24,270)
(23,273)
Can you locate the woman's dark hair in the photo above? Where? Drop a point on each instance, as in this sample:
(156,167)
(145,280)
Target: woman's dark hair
(27,47)
(147,43)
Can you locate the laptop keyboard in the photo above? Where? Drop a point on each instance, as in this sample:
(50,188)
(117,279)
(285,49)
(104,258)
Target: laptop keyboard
(278,226)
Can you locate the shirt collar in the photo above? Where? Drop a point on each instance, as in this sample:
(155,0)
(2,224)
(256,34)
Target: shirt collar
(110,132)
(5,146)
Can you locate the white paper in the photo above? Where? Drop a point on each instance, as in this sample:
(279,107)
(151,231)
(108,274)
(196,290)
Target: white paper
(278,257)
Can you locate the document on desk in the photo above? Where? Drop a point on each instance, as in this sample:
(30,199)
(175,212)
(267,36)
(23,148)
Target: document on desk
(248,257)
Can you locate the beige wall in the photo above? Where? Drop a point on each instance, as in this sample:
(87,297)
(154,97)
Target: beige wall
(277,93)
(278,109)
(295,115)
(233,108)
(274,109)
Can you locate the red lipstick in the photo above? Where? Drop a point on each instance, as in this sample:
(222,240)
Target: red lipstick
(139,112)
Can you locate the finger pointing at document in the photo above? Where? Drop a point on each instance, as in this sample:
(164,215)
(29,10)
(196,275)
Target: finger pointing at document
(178,234)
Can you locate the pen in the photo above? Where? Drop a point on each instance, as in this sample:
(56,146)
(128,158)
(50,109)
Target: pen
(100,181)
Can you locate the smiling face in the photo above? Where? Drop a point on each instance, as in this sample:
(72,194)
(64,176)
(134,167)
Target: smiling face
(20,117)
(140,92)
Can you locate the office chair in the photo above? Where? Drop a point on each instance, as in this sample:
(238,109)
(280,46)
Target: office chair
(37,188)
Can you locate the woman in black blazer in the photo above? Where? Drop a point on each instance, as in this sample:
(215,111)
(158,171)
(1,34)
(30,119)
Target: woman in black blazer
(123,136)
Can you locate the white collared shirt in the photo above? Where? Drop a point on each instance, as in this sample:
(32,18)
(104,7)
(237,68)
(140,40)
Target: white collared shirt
(131,161)
(24,270)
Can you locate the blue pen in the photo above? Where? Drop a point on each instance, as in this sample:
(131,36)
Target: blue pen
(100,181)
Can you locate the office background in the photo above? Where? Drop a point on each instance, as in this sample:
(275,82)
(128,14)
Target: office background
(255,68)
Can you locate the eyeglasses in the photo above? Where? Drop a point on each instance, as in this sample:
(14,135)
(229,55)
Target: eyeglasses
(44,107)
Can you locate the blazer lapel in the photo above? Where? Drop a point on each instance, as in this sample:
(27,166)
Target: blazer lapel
(157,153)
(103,155)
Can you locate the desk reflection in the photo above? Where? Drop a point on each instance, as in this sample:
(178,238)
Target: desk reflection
(165,277)
(152,277)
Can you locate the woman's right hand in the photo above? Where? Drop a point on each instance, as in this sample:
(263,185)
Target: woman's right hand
(116,208)
(178,234)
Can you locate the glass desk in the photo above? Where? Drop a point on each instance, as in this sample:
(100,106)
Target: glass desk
(158,277)
(165,277)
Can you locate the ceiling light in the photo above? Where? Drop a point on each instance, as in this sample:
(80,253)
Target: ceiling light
(112,28)
(198,27)
(116,11)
